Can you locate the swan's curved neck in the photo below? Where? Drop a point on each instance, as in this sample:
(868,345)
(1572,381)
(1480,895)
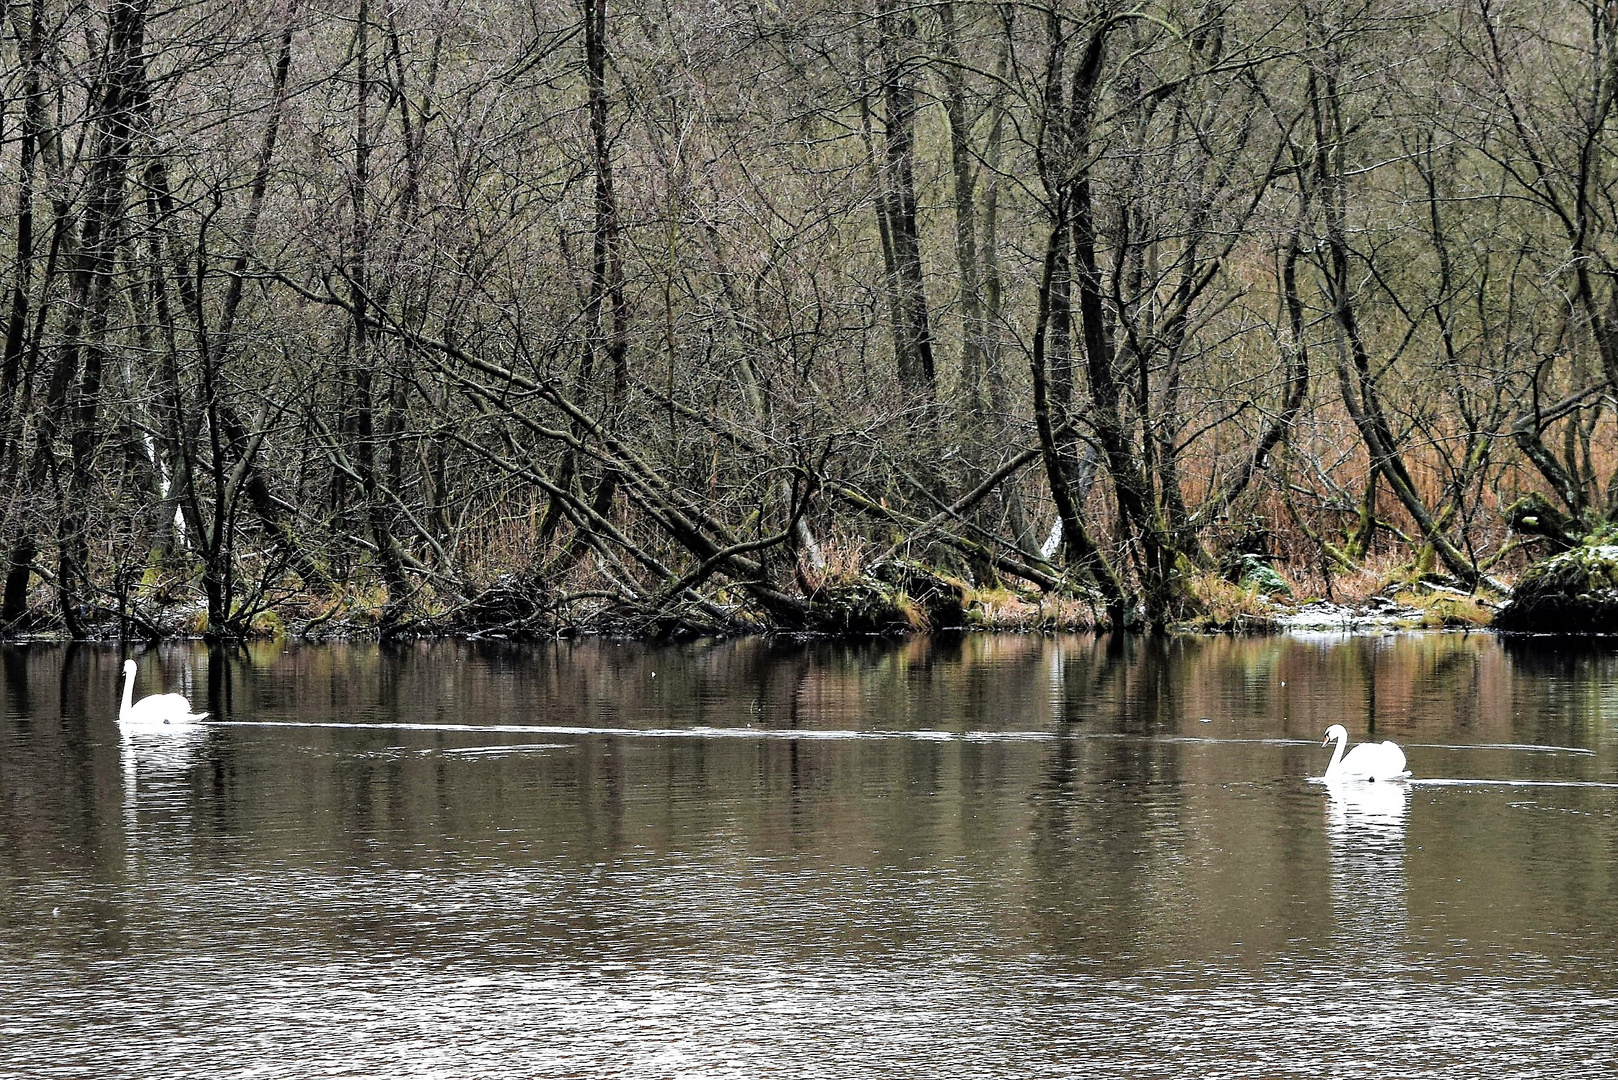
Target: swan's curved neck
(129,695)
(1336,754)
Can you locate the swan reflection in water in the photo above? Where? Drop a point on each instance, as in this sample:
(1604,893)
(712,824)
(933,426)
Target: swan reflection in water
(142,753)
(157,786)
(1365,827)
(1367,812)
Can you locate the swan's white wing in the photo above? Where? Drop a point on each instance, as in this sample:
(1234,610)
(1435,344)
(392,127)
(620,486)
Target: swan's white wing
(1374,761)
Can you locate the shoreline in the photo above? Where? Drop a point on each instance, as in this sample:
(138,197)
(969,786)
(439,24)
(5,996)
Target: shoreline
(1380,614)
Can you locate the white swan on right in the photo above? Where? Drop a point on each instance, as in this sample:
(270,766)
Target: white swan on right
(157,711)
(1367,761)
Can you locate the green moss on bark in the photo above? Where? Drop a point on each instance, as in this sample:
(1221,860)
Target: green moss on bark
(1575,592)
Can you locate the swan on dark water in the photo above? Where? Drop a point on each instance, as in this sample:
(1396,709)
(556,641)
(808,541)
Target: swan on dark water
(172,710)
(1367,761)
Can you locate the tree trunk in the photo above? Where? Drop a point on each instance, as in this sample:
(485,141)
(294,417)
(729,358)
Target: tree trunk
(912,331)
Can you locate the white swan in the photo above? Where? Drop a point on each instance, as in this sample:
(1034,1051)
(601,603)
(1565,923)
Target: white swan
(155,711)
(1367,761)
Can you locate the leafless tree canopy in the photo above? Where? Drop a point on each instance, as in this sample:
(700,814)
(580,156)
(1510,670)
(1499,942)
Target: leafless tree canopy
(701,316)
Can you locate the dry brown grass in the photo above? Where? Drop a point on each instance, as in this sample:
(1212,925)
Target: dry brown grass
(842,556)
(1351,587)
(1444,610)
(1221,605)
(1003,609)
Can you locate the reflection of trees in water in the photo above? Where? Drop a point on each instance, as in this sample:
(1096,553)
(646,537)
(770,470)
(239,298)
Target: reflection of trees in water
(1392,685)
(1582,658)
(58,739)
(1570,681)
(1106,824)
(1104,837)
(1365,827)
(16,703)
(1119,682)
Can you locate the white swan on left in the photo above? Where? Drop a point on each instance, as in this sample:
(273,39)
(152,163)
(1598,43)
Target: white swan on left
(158,710)
(1367,761)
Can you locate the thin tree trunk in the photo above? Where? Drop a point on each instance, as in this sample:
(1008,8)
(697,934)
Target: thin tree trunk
(913,342)
(91,292)
(1354,375)
(389,561)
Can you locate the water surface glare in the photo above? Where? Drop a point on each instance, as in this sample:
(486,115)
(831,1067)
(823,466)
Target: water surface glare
(982,857)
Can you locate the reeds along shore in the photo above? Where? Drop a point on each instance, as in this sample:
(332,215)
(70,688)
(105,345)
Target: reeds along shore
(553,317)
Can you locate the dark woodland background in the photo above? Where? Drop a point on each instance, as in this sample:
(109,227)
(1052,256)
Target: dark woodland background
(714,315)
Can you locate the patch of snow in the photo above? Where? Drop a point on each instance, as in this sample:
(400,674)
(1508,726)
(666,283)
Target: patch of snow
(1379,613)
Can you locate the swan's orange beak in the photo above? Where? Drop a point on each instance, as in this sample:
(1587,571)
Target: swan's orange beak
(1325,741)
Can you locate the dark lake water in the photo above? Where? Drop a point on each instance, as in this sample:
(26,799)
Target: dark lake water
(995,856)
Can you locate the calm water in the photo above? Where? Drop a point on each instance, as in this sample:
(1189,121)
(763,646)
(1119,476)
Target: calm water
(989,857)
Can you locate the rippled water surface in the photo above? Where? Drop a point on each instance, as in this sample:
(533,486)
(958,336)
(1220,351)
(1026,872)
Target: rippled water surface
(981,857)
